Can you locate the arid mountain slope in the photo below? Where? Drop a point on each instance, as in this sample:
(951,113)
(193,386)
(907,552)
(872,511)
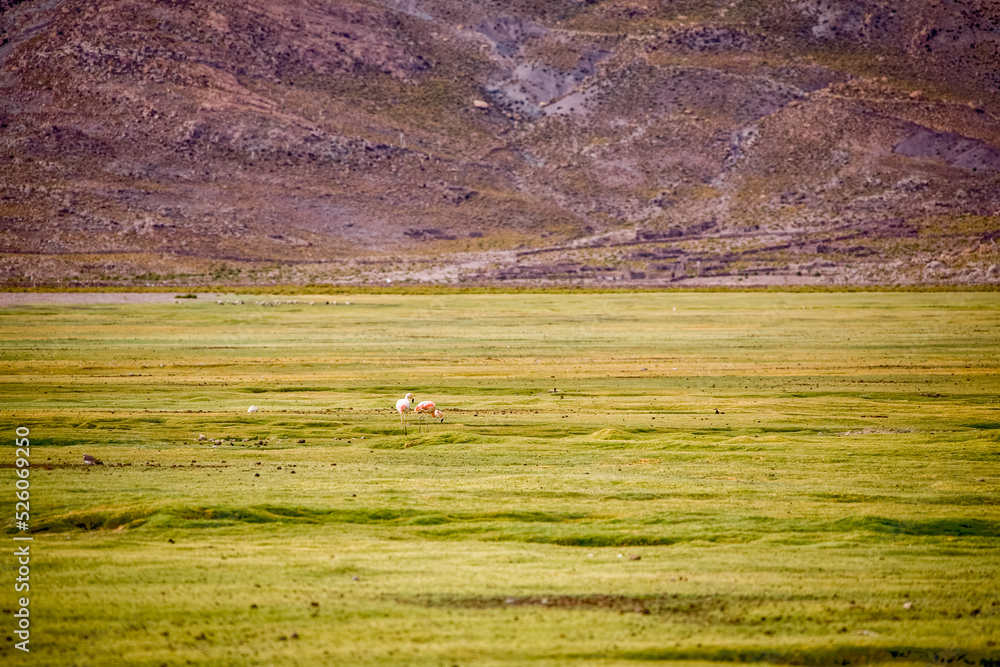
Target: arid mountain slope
(656,142)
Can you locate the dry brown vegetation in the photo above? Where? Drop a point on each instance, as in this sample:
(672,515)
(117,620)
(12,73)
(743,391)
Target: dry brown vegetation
(169,143)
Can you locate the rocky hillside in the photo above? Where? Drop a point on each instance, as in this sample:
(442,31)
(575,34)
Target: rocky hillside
(642,142)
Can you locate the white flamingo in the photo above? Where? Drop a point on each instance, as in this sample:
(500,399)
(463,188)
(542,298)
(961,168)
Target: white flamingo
(428,408)
(402,407)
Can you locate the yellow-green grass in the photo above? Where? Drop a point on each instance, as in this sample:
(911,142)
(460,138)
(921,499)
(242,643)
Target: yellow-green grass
(583,502)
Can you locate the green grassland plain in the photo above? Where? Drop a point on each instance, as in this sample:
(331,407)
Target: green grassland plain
(788,478)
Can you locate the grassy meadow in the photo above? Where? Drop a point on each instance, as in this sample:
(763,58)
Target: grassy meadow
(787,478)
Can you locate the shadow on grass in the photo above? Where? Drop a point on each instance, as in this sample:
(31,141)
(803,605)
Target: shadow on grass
(214,517)
(282,390)
(837,655)
(560,528)
(861,498)
(957,527)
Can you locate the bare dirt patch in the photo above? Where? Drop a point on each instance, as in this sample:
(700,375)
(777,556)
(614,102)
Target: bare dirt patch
(8,299)
(660,604)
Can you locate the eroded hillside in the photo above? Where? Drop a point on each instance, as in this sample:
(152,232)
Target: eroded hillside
(681,143)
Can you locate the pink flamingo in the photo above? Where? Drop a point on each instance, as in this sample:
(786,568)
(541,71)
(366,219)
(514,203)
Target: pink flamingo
(402,407)
(427,408)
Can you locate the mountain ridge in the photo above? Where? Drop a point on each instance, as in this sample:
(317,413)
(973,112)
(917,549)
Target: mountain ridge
(560,142)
